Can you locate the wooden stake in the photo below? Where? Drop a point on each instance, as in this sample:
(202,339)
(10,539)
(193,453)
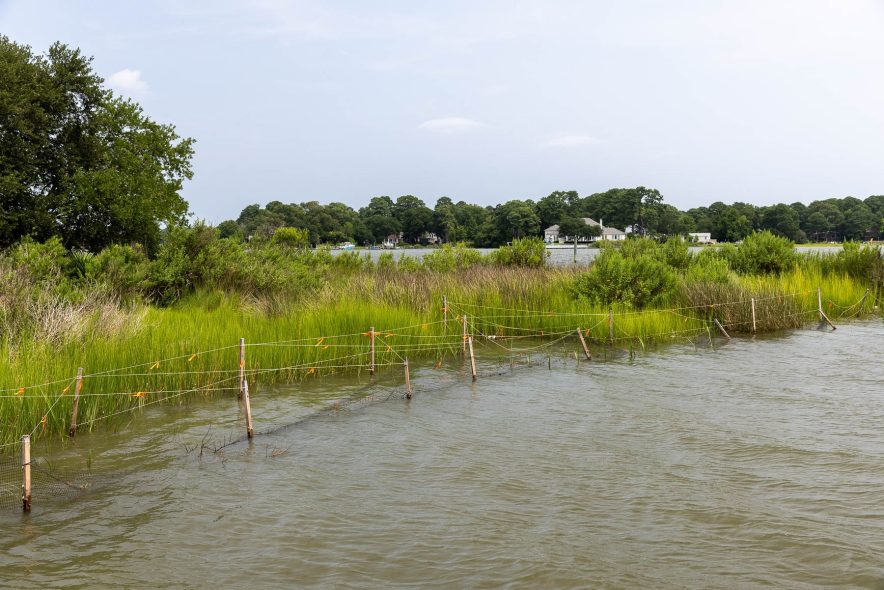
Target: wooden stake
(720,327)
(248,404)
(77,388)
(26,473)
(407,381)
(862,302)
(242,367)
(611,324)
(445,311)
(371,360)
(583,344)
(472,358)
(575,249)
(823,316)
(464,334)
(753,315)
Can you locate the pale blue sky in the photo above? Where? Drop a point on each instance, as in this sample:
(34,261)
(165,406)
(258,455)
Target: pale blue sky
(760,101)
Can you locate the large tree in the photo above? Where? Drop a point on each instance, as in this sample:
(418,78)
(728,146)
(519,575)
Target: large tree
(77,161)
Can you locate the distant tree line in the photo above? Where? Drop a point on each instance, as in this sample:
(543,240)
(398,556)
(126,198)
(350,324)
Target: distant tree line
(639,210)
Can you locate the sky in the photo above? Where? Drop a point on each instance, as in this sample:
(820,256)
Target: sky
(756,101)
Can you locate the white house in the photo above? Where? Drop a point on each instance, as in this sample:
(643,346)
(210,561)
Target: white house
(612,233)
(702,237)
(551,235)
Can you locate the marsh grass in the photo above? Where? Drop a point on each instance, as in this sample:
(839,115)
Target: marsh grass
(322,333)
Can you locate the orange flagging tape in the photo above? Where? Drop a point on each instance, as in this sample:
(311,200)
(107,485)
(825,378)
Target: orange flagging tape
(321,340)
(139,394)
(193,356)
(21,391)
(65,390)
(156,365)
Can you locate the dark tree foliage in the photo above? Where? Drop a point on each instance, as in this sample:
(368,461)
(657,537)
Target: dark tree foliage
(78,162)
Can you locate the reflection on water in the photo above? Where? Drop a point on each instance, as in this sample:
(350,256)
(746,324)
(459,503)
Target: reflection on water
(753,464)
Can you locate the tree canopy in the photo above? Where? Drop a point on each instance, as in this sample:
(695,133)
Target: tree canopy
(78,162)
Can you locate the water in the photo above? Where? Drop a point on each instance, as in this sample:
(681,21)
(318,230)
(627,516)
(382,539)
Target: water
(748,464)
(558,256)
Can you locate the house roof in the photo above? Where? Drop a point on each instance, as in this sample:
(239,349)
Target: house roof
(552,228)
(612,231)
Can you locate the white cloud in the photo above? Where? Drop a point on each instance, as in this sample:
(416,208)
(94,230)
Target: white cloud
(450,125)
(128,82)
(571,141)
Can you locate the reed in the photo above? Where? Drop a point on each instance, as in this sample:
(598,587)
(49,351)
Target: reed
(192,347)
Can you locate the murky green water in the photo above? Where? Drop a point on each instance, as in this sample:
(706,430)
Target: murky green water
(750,464)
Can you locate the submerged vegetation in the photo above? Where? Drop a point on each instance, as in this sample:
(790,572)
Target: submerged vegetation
(175,320)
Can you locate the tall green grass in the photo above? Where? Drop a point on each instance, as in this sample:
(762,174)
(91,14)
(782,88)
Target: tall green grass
(284,336)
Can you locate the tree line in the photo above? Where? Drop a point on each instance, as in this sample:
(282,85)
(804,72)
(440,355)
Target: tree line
(639,210)
(82,164)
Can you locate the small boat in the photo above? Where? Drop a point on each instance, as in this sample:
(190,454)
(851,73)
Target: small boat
(347,246)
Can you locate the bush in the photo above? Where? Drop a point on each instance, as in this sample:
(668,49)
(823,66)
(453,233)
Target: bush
(708,267)
(764,253)
(675,252)
(530,252)
(449,258)
(386,262)
(291,237)
(637,281)
(121,269)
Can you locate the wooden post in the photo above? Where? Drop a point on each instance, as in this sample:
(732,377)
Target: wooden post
(472,358)
(862,302)
(464,334)
(445,311)
(575,249)
(248,405)
(26,473)
(242,367)
(77,388)
(611,324)
(407,381)
(583,344)
(753,315)
(823,316)
(371,360)
(720,327)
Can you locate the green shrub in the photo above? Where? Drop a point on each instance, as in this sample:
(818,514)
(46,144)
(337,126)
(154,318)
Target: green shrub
(675,252)
(386,262)
(291,237)
(121,269)
(449,258)
(530,252)
(708,267)
(409,264)
(638,281)
(764,253)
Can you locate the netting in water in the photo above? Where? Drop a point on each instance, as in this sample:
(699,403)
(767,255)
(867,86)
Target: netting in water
(47,481)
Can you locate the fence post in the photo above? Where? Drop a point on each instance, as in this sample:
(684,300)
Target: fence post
(472,358)
(248,404)
(720,327)
(753,315)
(77,388)
(464,343)
(823,316)
(242,367)
(371,359)
(611,324)
(445,311)
(26,473)
(583,344)
(407,381)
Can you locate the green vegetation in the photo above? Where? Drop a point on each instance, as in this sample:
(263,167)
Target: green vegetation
(60,310)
